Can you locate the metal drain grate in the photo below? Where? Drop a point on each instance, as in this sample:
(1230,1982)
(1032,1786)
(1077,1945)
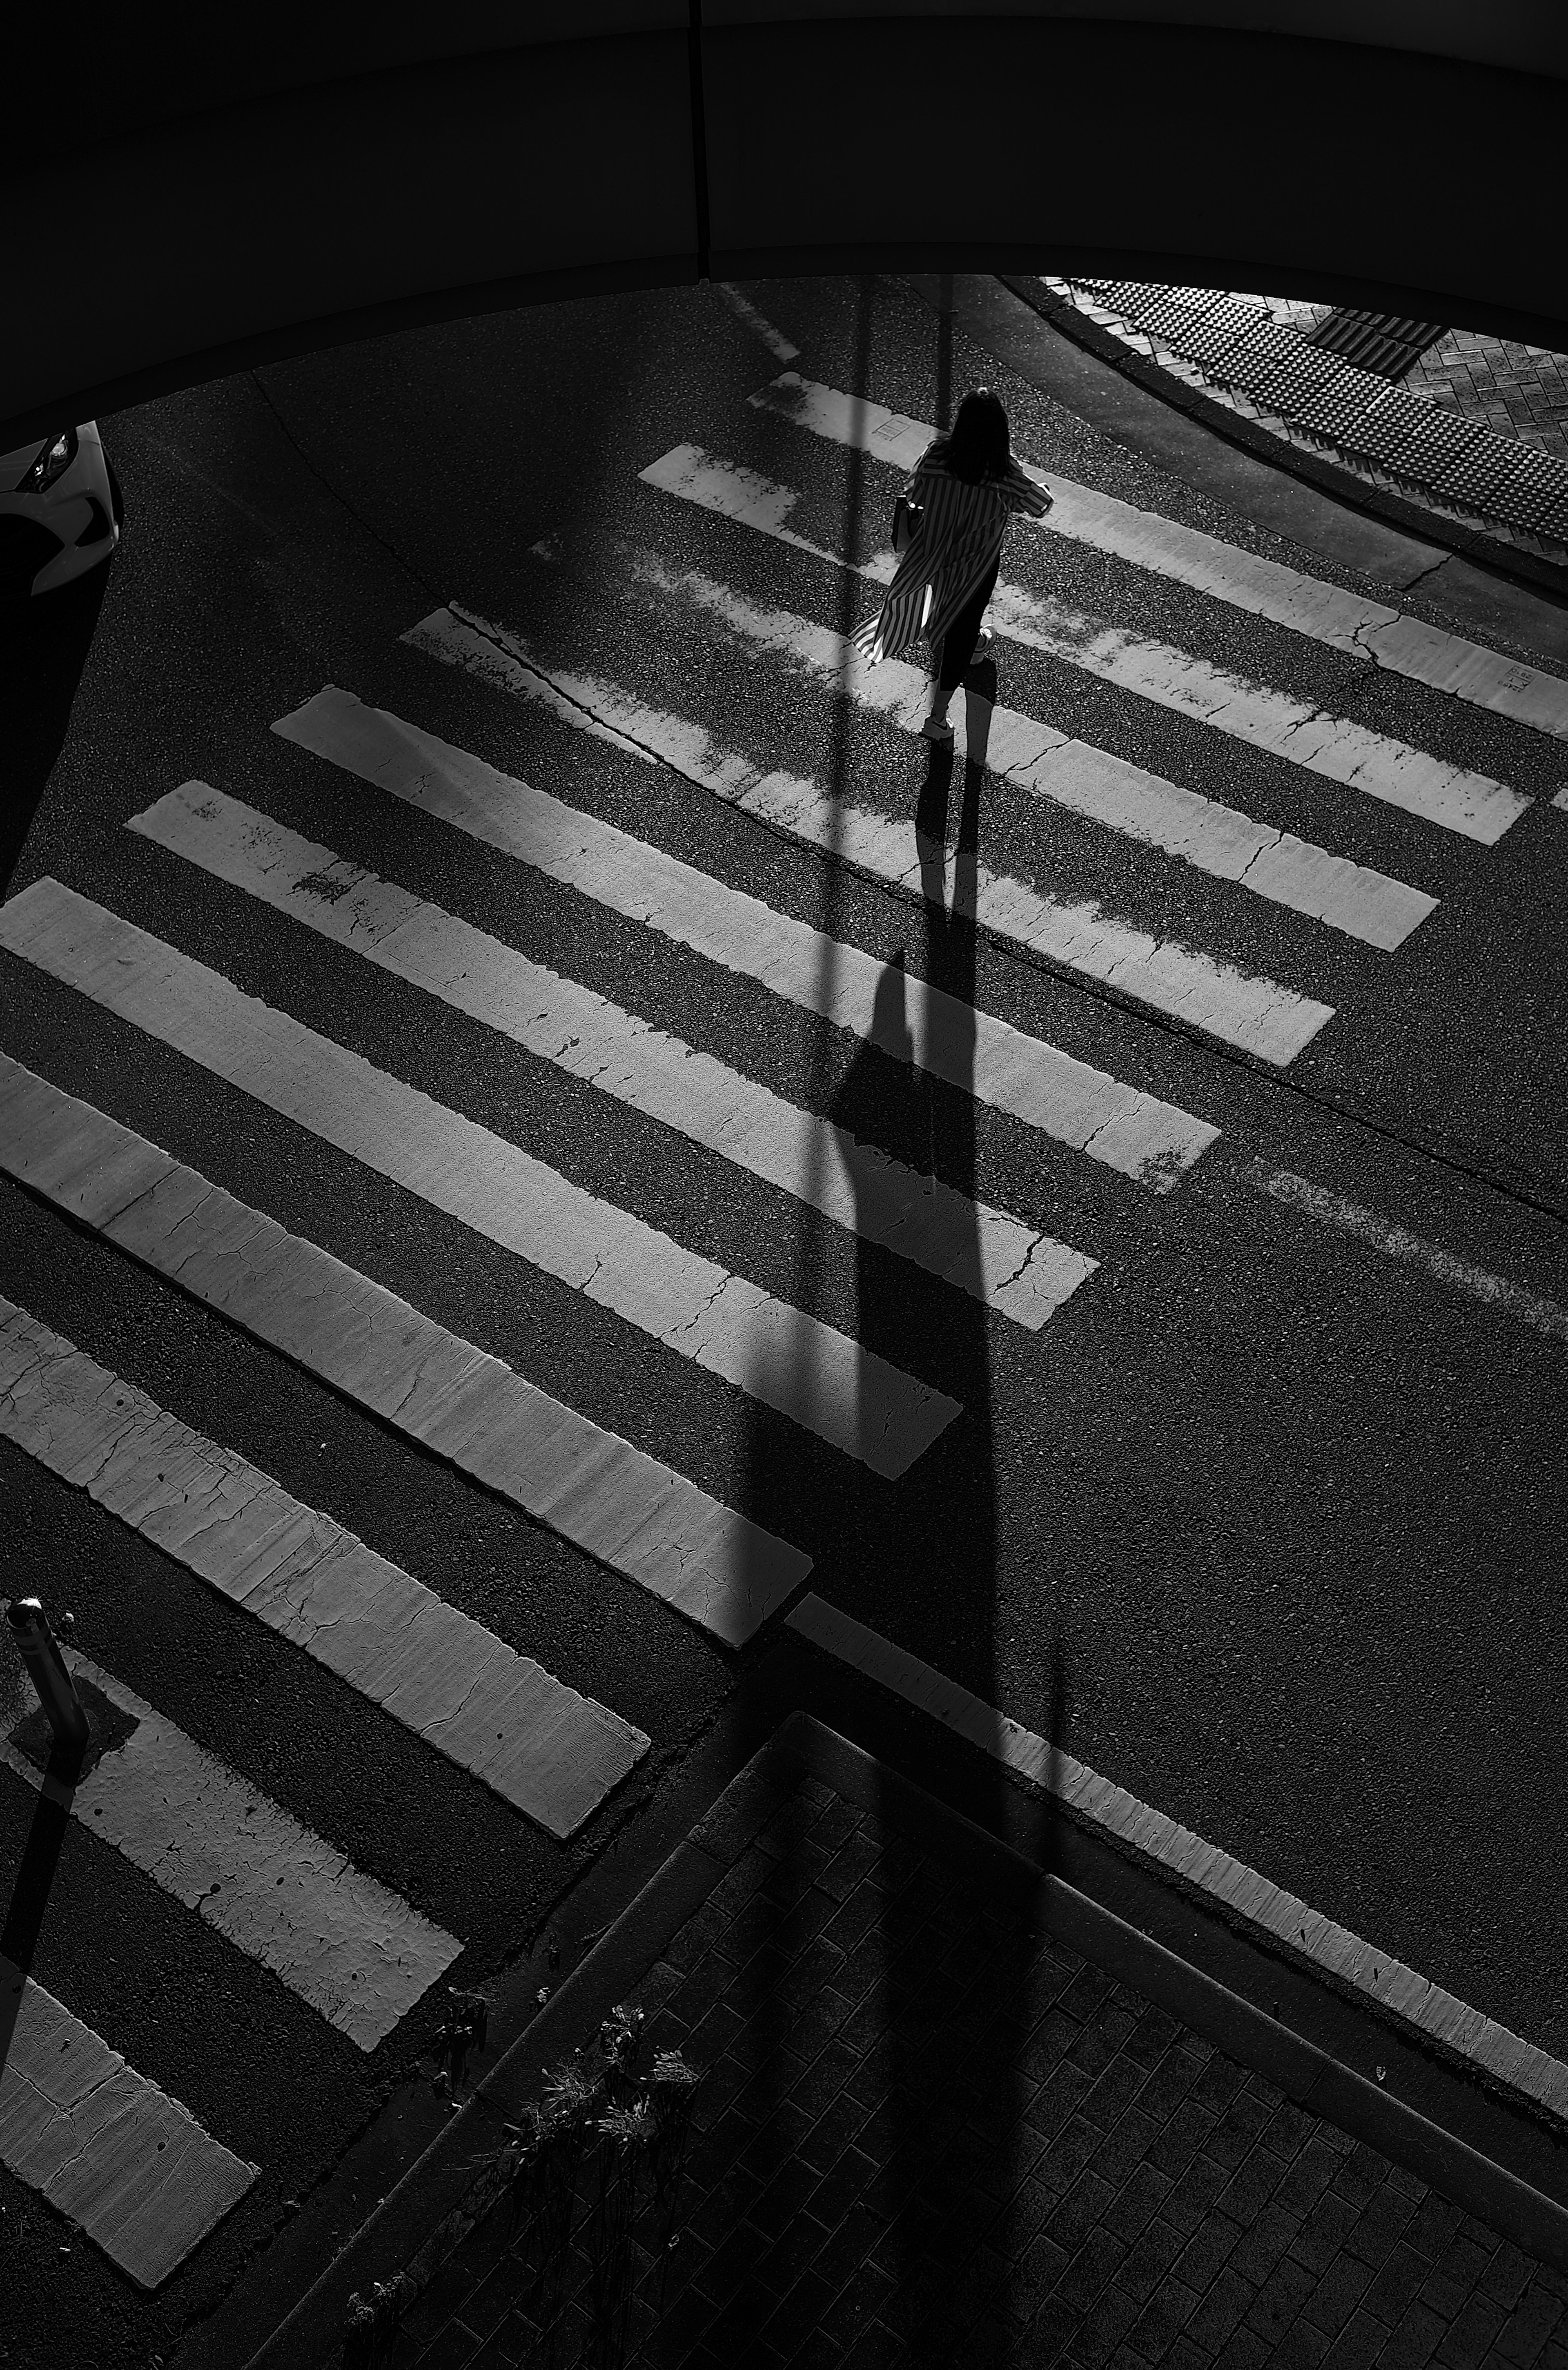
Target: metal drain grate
(1384,343)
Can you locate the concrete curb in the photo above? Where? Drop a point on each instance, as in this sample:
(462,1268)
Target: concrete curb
(1396,1996)
(432,2192)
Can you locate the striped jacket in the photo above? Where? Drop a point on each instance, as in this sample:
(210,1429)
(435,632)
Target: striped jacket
(960,538)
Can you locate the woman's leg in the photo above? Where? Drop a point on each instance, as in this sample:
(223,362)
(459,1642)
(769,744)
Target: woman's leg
(958,643)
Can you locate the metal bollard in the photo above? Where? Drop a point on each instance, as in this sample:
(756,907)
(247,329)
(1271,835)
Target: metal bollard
(40,1650)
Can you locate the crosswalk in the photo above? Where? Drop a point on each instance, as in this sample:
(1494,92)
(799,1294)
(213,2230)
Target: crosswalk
(340,1940)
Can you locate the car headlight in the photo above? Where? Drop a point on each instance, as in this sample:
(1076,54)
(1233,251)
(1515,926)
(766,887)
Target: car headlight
(52,462)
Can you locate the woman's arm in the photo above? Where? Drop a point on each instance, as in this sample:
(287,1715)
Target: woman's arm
(1024,494)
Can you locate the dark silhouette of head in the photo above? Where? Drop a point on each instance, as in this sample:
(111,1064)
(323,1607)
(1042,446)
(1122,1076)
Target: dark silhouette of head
(977,442)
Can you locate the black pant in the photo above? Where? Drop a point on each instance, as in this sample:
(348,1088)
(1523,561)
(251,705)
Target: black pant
(958,642)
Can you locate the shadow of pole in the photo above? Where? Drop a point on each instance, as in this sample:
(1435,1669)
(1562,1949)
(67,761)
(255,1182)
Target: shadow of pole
(768,1466)
(34,1884)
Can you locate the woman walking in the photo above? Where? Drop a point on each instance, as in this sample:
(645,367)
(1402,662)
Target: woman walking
(967,486)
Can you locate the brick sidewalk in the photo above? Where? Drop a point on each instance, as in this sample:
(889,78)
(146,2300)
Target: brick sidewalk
(929,2132)
(1518,390)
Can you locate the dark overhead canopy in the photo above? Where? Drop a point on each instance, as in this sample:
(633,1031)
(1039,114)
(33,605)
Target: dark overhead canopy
(207,188)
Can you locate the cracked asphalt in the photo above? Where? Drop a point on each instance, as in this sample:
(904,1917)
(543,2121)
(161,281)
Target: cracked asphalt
(1294,1511)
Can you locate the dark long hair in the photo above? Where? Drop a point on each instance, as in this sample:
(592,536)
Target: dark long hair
(978,443)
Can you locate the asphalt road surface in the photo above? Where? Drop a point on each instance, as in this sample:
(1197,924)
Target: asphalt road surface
(1242,1396)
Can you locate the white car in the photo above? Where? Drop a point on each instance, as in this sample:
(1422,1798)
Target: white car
(60,512)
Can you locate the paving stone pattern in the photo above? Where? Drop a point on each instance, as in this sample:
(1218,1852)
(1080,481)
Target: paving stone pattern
(1518,390)
(927,2133)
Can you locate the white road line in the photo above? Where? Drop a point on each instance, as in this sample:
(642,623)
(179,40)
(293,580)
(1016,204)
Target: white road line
(1322,743)
(631,1513)
(777,1354)
(348,1946)
(1344,621)
(548,1751)
(1034,1082)
(1216,839)
(130,2166)
(1023,1274)
(1395,1987)
(1394,1242)
(1257,1015)
(777,344)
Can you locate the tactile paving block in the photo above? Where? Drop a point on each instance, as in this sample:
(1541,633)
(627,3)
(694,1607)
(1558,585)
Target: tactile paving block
(1387,427)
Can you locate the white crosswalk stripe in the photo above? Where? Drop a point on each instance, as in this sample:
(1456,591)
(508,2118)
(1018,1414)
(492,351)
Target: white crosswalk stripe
(629,1511)
(550,1753)
(1023,1274)
(349,1946)
(1214,838)
(1258,1015)
(791,1360)
(1333,747)
(1350,622)
(1036,1082)
(124,2162)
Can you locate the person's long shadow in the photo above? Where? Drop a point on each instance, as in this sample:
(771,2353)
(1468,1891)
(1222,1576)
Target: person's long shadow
(932,2088)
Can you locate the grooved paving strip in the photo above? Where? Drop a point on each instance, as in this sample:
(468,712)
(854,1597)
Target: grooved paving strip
(1034,1082)
(1216,839)
(348,1946)
(549,1752)
(1332,746)
(624,1508)
(1344,621)
(1393,1985)
(125,2162)
(1023,1274)
(790,1361)
(1255,1014)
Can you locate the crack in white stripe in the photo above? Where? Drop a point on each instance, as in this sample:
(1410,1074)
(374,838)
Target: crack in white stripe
(1089,781)
(779,1354)
(1344,621)
(980,1250)
(1303,734)
(1255,1014)
(346,1944)
(1066,1099)
(543,1748)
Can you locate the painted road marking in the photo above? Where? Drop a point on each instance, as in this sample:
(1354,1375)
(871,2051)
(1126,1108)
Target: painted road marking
(1023,1274)
(118,2157)
(1313,738)
(348,1946)
(1066,1099)
(825,1382)
(1326,613)
(1394,1242)
(1089,781)
(1257,1015)
(548,1751)
(625,1509)
(1395,1987)
(777,344)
